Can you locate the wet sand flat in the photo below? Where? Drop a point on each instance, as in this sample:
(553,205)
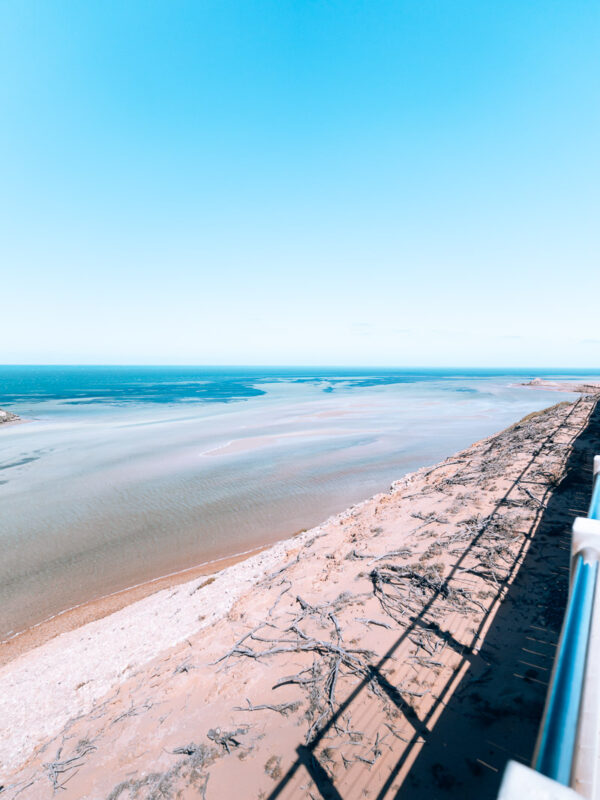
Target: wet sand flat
(102,497)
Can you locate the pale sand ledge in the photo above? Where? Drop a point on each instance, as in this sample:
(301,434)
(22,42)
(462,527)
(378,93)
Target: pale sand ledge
(136,634)
(74,618)
(155,655)
(563,386)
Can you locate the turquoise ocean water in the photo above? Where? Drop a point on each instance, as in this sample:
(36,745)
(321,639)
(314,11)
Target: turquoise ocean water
(122,474)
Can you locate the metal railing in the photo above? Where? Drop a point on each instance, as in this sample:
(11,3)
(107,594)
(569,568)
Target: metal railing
(566,763)
(594,510)
(558,731)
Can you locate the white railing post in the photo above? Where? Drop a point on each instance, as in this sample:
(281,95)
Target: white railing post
(524,783)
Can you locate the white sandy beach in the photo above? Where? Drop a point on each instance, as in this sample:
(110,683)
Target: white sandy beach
(153,673)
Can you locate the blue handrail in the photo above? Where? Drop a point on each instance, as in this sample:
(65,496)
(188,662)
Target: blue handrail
(559,728)
(594,512)
(563,727)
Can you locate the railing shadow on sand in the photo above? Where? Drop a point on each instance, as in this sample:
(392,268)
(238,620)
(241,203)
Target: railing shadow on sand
(490,707)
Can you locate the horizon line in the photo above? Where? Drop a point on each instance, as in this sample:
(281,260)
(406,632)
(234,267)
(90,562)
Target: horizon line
(295,366)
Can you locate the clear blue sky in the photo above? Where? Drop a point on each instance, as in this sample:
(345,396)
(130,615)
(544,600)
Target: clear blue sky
(300,182)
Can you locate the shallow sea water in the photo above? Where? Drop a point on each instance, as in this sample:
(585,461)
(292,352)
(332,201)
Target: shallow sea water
(121,475)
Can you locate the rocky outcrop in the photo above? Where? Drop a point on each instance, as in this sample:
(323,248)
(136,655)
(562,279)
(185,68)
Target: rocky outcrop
(6,416)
